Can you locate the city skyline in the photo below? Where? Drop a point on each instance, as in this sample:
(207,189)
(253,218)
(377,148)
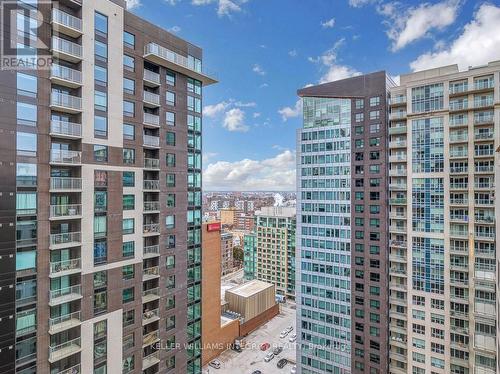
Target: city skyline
(350,37)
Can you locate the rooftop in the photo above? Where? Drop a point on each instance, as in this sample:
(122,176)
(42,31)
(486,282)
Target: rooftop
(250,288)
(276,211)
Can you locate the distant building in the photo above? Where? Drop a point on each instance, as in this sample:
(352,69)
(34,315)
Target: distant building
(214,205)
(225,205)
(250,206)
(249,255)
(239,204)
(275,230)
(229,216)
(226,247)
(245,222)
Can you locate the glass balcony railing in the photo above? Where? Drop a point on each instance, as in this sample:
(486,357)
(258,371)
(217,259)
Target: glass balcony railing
(151,119)
(65,210)
(62,156)
(459,105)
(151,251)
(66,74)
(67,20)
(152,98)
(60,351)
(62,266)
(151,141)
(151,185)
(65,183)
(65,128)
(66,101)
(151,228)
(65,238)
(150,206)
(66,47)
(151,76)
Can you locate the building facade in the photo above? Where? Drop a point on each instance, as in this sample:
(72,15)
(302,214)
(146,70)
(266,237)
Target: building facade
(101,195)
(226,248)
(342,257)
(275,248)
(443,281)
(249,255)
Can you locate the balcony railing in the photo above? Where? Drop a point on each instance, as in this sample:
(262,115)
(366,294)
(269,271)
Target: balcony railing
(151,97)
(481,103)
(484,152)
(459,105)
(66,74)
(151,185)
(151,206)
(484,202)
(151,76)
(66,20)
(458,169)
(66,210)
(65,183)
(151,228)
(64,294)
(459,88)
(458,153)
(458,121)
(64,321)
(61,156)
(397,144)
(72,370)
(151,119)
(67,265)
(398,115)
(150,273)
(75,51)
(398,201)
(150,360)
(459,201)
(484,84)
(398,99)
(64,128)
(151,294)
(58,352)
(484,169)
(151,251)
(151,141)
(458,137)
(65,238)
(150,338)
(151,163)
(63,100)
(483,119)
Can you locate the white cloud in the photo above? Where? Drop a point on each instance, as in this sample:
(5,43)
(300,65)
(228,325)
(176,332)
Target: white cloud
(213,110)
(289,112)
(272,174)
(234,120)
(172,2)
(263,85)
(132,4)
(478,43)
(334,70)
(202,2)
(409,25)
(359,3)
(328,24)
(208,155)
(250,104)
(292,53)
(257,69)
(256,115)
(174,29)
(226,7)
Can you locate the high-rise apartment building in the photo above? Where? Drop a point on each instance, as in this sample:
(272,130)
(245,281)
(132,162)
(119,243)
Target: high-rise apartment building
(443,259)
(100,202)
(249,255)
(341,288)
(275,248)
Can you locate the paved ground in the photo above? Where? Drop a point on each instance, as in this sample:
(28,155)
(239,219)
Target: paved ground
(252,358)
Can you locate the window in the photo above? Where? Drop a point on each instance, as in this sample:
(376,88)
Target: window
(128,108)
(100,251)
(359,117)
(101,75)
(129,39)
(171,159)
(100,226)
(128,156)
(128,272)
(101,100)
(170,78)
(128,226)
(374,101)
(194,86)
(128,318)
(27,85)
(128,202)
(101,51)
(128,132)
(129,86)
(128,63)
(26,174)
(26,144)
(128,249)
(170,323)
(128,179)
(170,180)
(374,114)
(128,295)
(170,98)
(170,222)
(374,128)
(359,104)
(25,260)
(101,23)
(100,153)
(194,104)
(170,117)
(100,126)
(170,137)
(170,200)
(26,114)
(100,201)
(170,262)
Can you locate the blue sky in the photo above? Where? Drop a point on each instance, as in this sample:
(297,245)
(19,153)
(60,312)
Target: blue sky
(262,51)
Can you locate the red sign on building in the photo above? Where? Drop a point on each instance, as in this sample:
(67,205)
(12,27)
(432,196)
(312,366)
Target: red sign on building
(213,227)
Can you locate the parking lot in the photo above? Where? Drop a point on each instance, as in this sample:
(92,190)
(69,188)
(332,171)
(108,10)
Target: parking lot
(252,358)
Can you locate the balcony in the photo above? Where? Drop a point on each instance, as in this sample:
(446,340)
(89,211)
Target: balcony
(397,186)
(458,121)
(151,120)
(485,272)
(151,229)
(65,157)
(397,158)
(459,105)
(396,130)
(484,84)
(65,103)
(152,206)
(176,62)
(65,76)
(397,257)
(485,342)
(66,50)
(150,295)
(150,273)
(65,240)
(66,23)
(65,184)
(151,78)
(484,119)
(397,100)
(151,185)
(152,163)
(458,138)
(66,211)
(151,99)
(74,369)
(484,152)
(150,339)
(400,114)
(483,135)
(483,103)
(459,218)
(65,295)
(150,141)
(65,129)
(398,201)
(150,316)
(397,229)
(458,88)
(400,172)
(485,219)
(151,251)
(484,202)
(151,360)
(398,244)
(458,153)
(459,201)
(67,267)
(459,233)
(484,169)
(458,186)
(58,352)
(485,308)
(458,169)
(64,322)
(397,144)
